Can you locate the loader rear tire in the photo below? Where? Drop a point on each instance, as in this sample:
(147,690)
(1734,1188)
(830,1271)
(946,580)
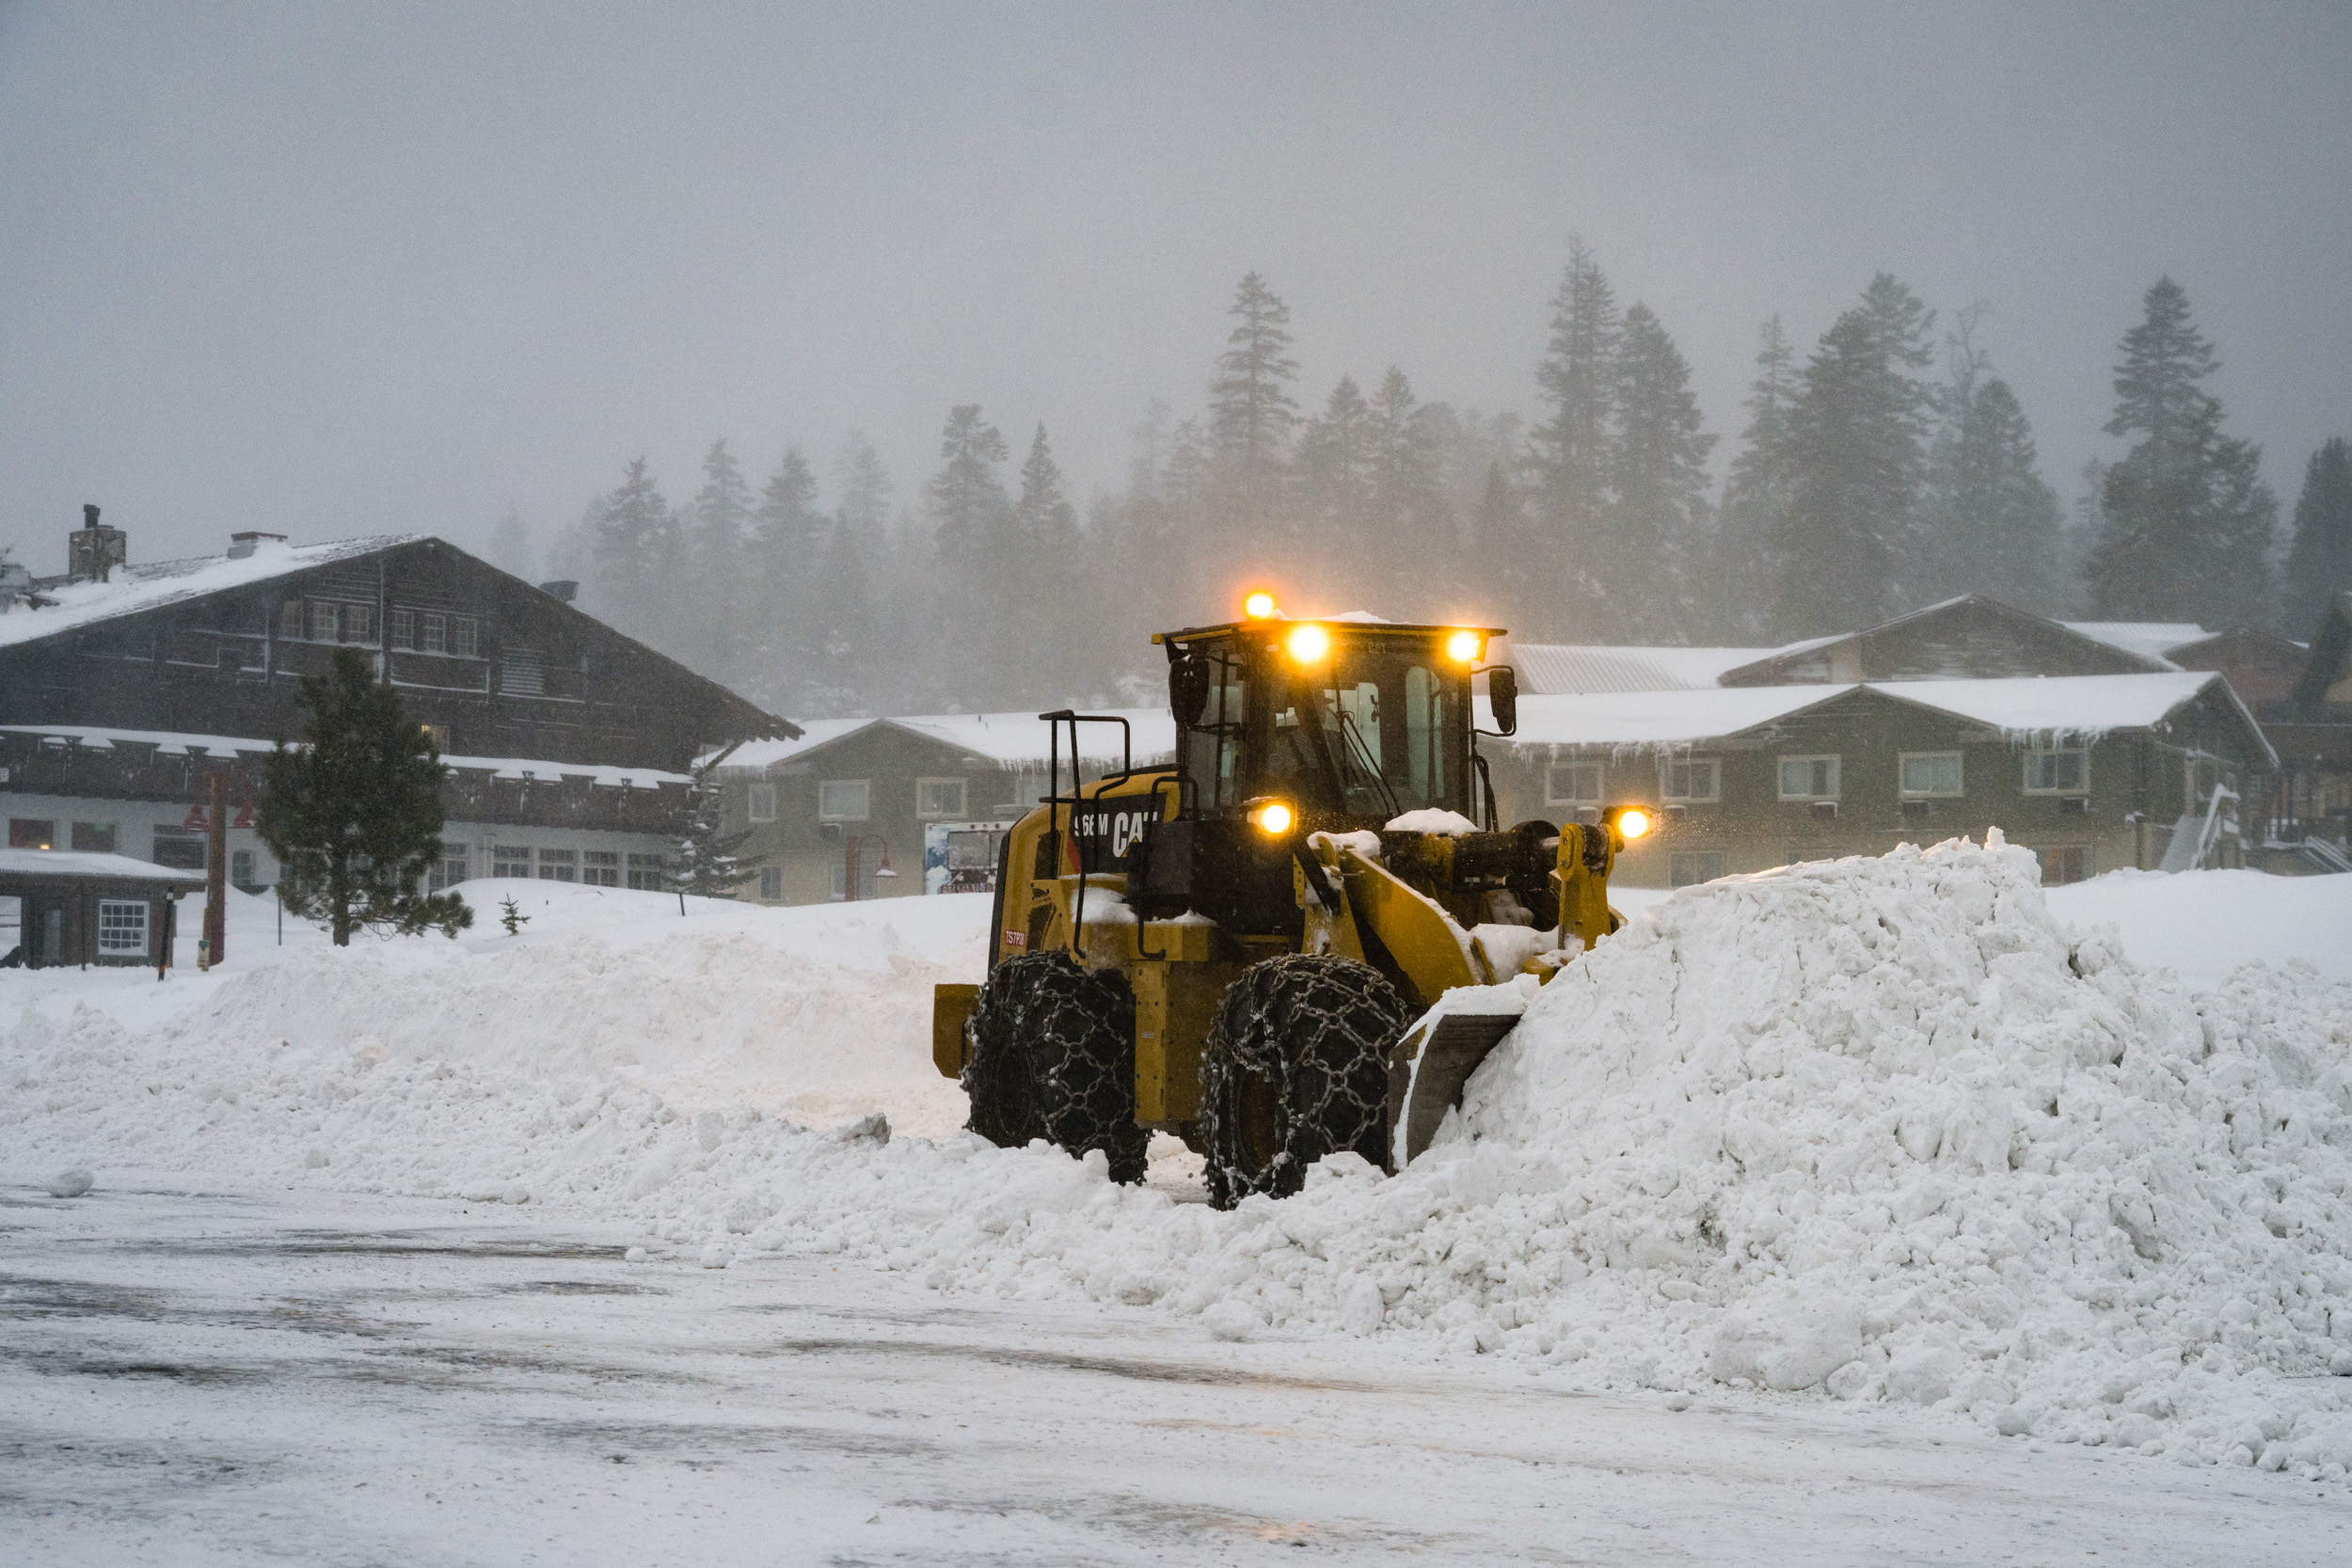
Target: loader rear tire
(1295,1069)
(1050,1053)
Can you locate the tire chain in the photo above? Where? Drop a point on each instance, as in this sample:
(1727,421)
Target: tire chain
(1321,1028)
(1051,1053)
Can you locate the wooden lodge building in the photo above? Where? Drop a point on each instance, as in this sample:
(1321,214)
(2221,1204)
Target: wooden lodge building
(124,687)
(2085,742)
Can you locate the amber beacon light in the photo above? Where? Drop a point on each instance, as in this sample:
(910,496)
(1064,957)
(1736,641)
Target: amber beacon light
(1463,648)
(1310,643)
(1258,606)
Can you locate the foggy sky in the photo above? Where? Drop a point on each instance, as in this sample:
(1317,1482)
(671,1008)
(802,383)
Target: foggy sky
(329,270)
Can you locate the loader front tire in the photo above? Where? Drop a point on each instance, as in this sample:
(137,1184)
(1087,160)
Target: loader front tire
(1050,1053)
(1295,1069)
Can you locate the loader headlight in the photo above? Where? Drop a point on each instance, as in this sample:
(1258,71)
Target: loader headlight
(1310,643)
(1464,647)
(1633,824)
(1258,606)
(1272,818)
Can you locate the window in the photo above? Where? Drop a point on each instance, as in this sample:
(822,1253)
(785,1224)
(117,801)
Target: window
(436,637)
(449,868)
(1572,783)
(404,629)
(600,867)
(1926,773)
(763,802)
(2066,863)
(122,927)
(1689,867)
(842,800)
(559,865)
(935,798)
(323,622)
(438,735)
(359,620)
(645,873)
(1693,779)
(524,677)
(96,837)
(510,860)
(771,883)
(241,869)
(179,850)
(461,635)
(289,620)
(1808,777)
(32,832)
(2057,771)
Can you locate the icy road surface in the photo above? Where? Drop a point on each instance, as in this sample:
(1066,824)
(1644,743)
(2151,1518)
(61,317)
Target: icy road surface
(208,1378)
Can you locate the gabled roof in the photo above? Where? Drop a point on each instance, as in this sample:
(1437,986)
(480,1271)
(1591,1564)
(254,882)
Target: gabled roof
(1006,739)
(90,863)
(2020,708)
(2148,638)
(1791,663)
(101,738)
(157,584)
(1559,666)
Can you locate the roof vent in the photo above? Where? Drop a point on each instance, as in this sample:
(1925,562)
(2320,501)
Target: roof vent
(562,588)
(246,543)
(91,551)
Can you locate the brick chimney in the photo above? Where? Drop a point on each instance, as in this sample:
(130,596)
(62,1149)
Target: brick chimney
(91,551)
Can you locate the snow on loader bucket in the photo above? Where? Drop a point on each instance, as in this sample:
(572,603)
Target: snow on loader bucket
(1233,945)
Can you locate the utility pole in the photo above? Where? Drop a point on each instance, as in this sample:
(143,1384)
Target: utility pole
(217,871)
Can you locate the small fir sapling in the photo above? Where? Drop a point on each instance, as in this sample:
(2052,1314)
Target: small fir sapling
(511,917)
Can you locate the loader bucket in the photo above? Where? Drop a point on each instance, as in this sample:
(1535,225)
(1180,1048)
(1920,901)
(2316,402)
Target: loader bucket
(1427,1069)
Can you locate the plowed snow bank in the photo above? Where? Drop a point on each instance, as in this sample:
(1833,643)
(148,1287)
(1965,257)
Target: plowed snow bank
(1878,1127)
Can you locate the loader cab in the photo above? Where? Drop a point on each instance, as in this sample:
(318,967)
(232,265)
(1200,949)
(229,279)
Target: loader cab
(1350,724)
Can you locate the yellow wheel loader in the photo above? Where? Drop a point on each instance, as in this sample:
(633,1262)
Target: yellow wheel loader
(1247,946)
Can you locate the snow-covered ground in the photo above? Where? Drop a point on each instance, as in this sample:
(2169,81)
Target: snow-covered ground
(310,1378)
(1876,1151)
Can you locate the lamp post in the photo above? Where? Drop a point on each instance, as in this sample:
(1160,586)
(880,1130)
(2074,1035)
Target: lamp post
(853,852)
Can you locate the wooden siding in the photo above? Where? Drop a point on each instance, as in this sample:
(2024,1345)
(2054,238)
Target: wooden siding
(2133,776)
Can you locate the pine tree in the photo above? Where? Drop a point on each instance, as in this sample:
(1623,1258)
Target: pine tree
(1736,592)
(787,546)
(971,526)
(1857,439)
(1251,412)
(707,863)
(2319,562)
(2185,520)
(1992,522)
(1408,528)
(635,539)
(1043,566)
(354,812)
(511,549)
(1658,472)
(1569,450)
(1327,538)
(721,593)
(839,681)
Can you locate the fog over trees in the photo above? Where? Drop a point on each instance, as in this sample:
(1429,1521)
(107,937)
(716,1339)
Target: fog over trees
(1888,467)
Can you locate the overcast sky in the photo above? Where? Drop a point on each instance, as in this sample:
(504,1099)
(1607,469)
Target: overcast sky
(330,269)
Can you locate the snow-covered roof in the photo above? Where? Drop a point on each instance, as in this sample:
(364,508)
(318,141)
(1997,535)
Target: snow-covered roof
(157,584)
(1562,667)
(97,737)
(1007,740)
(87,863)
(1654,718)
(2032,705)
(2148,638)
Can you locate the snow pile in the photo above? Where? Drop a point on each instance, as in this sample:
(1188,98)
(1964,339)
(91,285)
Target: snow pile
(1878,1127)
